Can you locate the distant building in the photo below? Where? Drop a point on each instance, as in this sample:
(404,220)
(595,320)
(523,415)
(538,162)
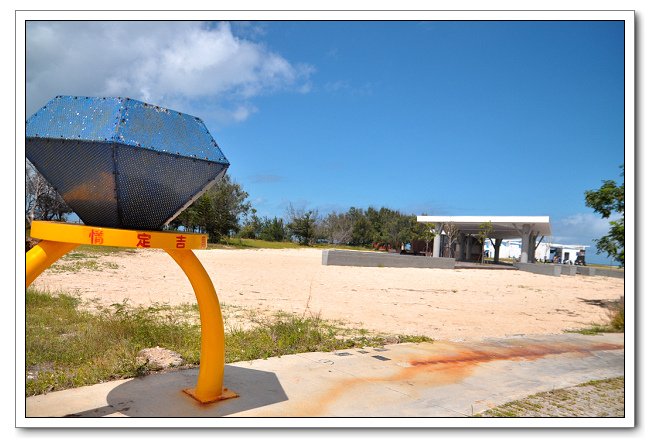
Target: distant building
(545,252)
(509,249)
(517,237)
(463,244)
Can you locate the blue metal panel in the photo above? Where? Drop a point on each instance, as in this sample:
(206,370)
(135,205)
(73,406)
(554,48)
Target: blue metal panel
(76,118)
(164,130)
(123,163)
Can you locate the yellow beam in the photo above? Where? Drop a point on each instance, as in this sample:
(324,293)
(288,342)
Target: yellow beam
(106,236)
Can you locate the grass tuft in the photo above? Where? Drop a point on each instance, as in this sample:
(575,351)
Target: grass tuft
(68,347)
(617,316)
(616,322)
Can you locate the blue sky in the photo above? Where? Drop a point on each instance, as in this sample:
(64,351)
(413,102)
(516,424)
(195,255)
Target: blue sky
(458,118)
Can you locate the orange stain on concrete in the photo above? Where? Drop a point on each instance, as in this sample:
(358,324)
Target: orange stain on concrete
(452,364)
(528,352)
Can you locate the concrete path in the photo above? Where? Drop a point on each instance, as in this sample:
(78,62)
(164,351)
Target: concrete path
(439,379)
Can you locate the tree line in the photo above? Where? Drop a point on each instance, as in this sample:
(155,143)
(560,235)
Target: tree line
(225,211)
(355,227)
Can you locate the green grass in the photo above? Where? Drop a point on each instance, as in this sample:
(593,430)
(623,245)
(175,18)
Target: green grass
(247,243)
(84,258)
(90,265)
(601,398)
(288,334)
(68,347)
(606,266)
(90,249)
(616,322)
(343,247)
(617,319)
(72,348)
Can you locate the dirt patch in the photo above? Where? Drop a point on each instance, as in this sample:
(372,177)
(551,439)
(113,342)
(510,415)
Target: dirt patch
(158,358)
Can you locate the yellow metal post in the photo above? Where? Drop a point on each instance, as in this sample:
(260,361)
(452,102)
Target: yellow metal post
(59,238)
(209,385)
(41,256)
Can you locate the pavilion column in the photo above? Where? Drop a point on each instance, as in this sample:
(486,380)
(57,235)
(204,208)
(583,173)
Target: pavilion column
(436,241)
(525,243)
(468,247)
(460,240)
(497,247)
(531,247)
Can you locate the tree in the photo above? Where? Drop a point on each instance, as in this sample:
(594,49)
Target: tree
(338,228)
(273,229)
(218,211)
(607,200)
(252,226)
(375,223)
(394,228)
(451,236)
(485,231)
(42,201)
(302,225)
(362,231)
(425,231)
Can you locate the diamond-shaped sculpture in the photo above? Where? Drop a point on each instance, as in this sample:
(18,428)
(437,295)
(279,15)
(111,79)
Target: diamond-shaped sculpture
(122,163)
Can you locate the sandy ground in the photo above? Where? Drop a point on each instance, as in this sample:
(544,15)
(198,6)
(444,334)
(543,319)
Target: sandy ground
(457,304)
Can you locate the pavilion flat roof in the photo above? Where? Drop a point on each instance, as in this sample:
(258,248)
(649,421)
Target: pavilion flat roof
(503,226)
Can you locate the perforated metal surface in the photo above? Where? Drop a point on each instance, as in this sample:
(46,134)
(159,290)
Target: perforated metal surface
(83,172)
(122,163)
(178,180)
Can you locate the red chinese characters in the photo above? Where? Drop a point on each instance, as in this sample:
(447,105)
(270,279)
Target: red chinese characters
(144,240)
(180,241)
(96,236)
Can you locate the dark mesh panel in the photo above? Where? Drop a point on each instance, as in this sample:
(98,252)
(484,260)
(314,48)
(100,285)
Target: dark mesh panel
(154,186)
(82,173)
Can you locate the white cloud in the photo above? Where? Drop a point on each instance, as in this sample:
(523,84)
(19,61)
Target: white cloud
(242,112)
(580,228)
(173,64)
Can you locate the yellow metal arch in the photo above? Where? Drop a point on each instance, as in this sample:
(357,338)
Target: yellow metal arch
(41,256)
(59,239)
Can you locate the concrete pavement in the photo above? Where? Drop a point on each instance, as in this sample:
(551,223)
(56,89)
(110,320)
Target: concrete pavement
(438,379)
